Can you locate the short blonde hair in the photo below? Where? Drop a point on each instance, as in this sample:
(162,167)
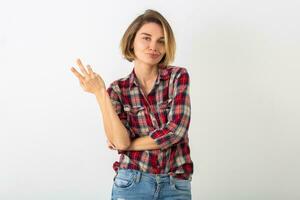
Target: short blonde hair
(147,17)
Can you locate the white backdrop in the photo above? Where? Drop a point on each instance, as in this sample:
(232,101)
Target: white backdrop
(243,60)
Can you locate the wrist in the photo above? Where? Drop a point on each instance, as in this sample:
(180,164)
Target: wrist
(100,93)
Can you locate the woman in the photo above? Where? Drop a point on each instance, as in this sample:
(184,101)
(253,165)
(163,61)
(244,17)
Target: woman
(146,114)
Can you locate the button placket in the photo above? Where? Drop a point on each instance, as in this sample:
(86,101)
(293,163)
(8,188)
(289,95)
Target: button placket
(154,121)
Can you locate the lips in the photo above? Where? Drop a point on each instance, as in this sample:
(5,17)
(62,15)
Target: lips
(153,55)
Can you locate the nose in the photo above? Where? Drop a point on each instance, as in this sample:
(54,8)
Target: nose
(153,46)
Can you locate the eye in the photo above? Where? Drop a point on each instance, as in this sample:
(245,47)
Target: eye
(161,41)
(146,38)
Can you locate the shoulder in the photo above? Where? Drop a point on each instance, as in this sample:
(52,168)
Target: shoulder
(178,73)
(176,70)
(119,84)
(169,72)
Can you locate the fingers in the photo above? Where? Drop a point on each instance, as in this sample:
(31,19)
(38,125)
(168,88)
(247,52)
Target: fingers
(111,148)
(110,145)
(82,68)
(77,74)
(87,73)
(92,74)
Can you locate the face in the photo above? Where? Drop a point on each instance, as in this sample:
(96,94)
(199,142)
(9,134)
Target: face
(149,44)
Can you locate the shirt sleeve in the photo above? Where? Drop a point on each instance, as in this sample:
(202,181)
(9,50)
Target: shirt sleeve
(179,115)
(118,106)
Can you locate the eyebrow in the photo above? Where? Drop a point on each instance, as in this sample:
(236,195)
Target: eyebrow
(150,35)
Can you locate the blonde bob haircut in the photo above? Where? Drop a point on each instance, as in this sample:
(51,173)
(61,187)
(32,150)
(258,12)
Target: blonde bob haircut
(147,17)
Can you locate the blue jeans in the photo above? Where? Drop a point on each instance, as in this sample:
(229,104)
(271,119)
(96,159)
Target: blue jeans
(132,184)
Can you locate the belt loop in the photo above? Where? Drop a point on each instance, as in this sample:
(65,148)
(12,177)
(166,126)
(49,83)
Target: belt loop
(116,174)
(138,176)
(172,181)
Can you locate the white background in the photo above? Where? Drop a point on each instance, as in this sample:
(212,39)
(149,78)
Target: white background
(243,60)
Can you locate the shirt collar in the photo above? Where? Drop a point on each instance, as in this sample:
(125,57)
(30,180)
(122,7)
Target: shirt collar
(162,74)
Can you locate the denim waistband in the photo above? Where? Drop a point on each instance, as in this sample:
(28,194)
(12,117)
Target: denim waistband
(158,178)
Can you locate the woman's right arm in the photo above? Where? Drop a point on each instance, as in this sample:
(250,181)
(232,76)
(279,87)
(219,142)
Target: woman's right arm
(114,128)
(92,82)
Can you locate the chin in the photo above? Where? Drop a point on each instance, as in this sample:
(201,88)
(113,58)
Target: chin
(149,62)
(152,63)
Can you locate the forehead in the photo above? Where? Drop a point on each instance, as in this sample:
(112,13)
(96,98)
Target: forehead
(153,29)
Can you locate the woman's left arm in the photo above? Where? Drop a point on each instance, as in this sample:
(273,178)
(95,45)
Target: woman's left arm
(138,144)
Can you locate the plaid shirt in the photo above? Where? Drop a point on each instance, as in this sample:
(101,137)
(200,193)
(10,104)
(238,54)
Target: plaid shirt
(164,115)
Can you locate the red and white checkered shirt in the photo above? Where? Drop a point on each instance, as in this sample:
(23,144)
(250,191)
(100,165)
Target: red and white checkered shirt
(164,115)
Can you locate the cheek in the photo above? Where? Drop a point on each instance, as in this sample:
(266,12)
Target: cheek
(162,48)
(141,44)
(162,51)
(144,45)
(139,50)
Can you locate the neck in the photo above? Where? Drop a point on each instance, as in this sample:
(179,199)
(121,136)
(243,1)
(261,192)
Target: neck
(145,73)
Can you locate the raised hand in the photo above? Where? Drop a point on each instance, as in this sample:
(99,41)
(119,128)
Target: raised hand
(90,81)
